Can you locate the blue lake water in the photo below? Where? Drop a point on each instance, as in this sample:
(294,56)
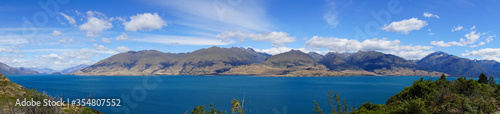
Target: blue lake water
(178,94)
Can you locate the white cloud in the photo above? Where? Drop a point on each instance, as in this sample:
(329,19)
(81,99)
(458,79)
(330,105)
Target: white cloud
(331,14)
(479,44)
(67,40)
(83,54)
(91,40)
(473,27)
(96,23)
(60,61)
(490,38)
(486,53)
(470,38)
(456,28)
(6,50)
(429,15)
(123,36)
(430,33)
(405,26)
(219,15)
(144,22)
(180,40)
(100,47)
(70,19)
(278,50)
(440,43)
(384,45)
(105,40)
(56,33)
(276,38)
(122,49)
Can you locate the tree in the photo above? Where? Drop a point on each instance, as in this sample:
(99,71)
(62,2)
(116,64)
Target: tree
(483,79)
(492,81)
(443,77)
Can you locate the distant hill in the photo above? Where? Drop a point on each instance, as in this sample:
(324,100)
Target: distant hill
(8,70)
(455,66)
(73,69)
(387,64)
(371,60)
(150,62)
(489,64)
(246,61)
(333,61)
(315,56)
(43,70)
(132,63)
(293,60)
(292,63)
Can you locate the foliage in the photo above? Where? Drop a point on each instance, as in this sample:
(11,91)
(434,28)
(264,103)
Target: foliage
(237,107)
(483,79)
(441,96)
(201,110)
(337,105)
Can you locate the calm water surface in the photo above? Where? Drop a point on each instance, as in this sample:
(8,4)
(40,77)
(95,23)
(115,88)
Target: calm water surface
(177,94)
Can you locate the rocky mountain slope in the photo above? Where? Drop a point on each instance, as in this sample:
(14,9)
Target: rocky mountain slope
(456,66)
(246,61)
(8,70)
(333,61)
(200,62)
(74,69)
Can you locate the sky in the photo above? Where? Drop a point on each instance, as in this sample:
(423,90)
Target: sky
(59,34)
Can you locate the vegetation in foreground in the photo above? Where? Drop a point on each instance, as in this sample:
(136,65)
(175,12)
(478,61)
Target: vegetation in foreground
(10,92)
(422,97)
(439,96)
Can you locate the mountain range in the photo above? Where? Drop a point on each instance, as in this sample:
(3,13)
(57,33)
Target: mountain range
(246,61)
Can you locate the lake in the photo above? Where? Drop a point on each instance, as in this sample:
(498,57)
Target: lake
(178,94)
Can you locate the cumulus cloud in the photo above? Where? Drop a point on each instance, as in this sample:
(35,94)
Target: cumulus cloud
(144,22)
(105,40)
(430,15)
(490,38)
(405,26)
(67,40)
(122,49)
(486,53)
(123,36)
(63,60)
(276,38)
(70,19)
(96,23)
(278,50)
(473,27)
(100,47)
(479,44)
(56,33)
(470,38)
(455,28)
(349,45)
(91,40)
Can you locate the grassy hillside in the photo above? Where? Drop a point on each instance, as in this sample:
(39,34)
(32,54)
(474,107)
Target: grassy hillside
(293,60)
(333,61)
(10,92)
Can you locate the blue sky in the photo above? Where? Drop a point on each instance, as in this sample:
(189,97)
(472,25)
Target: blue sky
(59,34)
